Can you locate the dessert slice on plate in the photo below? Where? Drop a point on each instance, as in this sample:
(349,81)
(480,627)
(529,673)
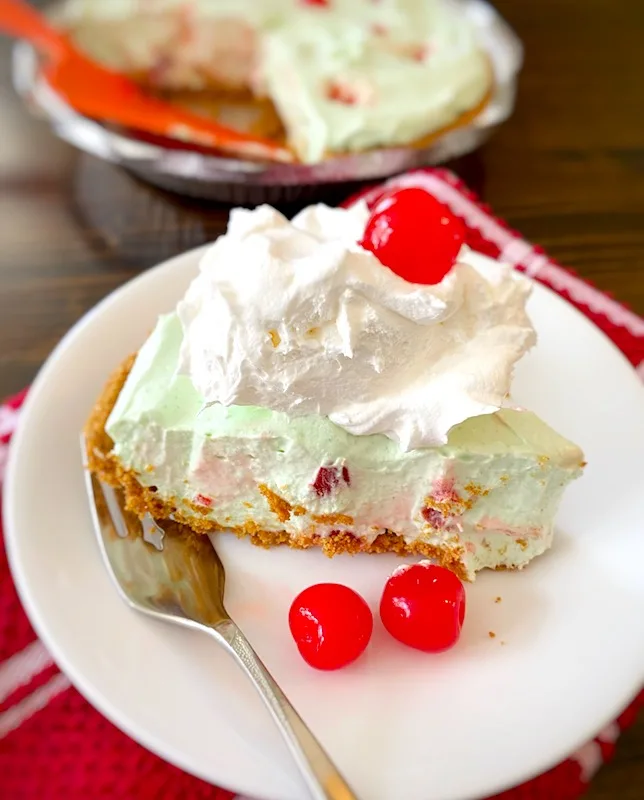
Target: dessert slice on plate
(303,393)
(329,76)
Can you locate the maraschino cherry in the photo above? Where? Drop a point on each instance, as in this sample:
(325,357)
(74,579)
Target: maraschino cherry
(331,625)
(423,606)
(414,235)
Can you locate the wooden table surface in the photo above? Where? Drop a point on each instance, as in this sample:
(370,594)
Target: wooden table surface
(567,170)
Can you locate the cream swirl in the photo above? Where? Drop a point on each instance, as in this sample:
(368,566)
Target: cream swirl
(297,317)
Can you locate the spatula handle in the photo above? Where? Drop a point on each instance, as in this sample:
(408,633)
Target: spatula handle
(322,777)
(19,19)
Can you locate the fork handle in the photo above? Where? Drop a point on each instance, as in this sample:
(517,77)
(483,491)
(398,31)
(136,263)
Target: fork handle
(321,776)
(19,19)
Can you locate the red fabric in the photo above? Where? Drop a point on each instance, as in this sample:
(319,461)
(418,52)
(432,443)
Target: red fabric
(54,746)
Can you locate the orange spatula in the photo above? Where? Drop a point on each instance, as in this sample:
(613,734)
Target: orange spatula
(105,95)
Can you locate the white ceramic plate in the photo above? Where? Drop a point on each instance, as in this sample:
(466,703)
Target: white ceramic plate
(569,647)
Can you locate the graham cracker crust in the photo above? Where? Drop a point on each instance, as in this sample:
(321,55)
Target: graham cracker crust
(142,500)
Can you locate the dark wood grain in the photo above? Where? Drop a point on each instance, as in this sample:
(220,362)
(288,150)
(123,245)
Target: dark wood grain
(567,170)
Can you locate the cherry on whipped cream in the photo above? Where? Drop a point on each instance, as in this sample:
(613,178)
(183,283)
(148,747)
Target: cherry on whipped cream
(423,606)
(331,625)
(414,235)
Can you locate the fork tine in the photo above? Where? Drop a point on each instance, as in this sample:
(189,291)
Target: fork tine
(176,576)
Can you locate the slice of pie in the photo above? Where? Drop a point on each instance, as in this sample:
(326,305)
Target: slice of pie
(328,76)
(304,394)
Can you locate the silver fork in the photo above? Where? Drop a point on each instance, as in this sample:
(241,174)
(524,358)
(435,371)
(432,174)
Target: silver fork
(180,580)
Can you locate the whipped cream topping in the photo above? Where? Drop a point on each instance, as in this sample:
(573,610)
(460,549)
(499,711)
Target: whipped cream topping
(297,317)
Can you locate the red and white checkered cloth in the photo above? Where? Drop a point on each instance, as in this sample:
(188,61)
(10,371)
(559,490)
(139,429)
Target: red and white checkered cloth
(54,746)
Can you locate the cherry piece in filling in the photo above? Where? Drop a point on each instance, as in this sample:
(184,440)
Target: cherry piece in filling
(331,625)
(414,235)
(423,606)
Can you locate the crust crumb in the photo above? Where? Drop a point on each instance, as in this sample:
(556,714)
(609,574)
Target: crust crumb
(333,519)
(476,489)
(278,505)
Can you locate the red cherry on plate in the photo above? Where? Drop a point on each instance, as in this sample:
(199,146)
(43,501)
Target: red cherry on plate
(331,625)
(423,606)
(414,235)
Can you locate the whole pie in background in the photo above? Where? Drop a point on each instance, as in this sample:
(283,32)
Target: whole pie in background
(327,77)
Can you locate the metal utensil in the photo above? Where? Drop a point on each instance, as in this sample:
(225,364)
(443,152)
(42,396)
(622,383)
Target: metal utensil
(180,579)
(103,94)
